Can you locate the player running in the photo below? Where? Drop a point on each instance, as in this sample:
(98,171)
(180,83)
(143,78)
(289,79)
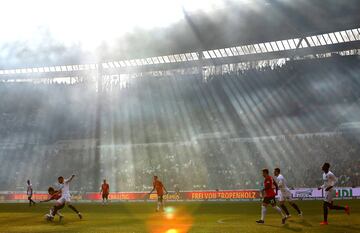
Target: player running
(54,195)
(104,190)
(329,181)
(160,188)
(285,194)
(65,195)
(29,193)
(269,197)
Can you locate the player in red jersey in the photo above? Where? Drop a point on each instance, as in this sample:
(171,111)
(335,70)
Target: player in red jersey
(160,188)
(54,195)
(269,197)
(104,190)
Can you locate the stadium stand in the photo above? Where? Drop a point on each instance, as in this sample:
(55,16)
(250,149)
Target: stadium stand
(236,123)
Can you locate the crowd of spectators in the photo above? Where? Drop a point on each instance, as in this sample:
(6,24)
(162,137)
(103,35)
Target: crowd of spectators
(208,164)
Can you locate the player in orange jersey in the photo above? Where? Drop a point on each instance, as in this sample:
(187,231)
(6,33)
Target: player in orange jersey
(105,190)
(160,190)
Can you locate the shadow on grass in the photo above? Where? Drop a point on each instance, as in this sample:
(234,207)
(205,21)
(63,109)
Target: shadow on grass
(302,222)
(19,220)
(280,227)
(285,227)
(347,227)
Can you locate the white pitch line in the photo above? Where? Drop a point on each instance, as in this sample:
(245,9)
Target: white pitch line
(221,221)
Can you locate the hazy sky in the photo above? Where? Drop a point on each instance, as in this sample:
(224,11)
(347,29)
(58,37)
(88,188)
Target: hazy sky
(89,21)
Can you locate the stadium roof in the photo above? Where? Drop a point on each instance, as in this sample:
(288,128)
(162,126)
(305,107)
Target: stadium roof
(301,46)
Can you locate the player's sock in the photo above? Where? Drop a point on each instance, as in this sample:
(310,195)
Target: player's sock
(325,208)
(162,205)
(59,214)
(347,210)
(278,209)
(296,207)
(55,210)
(283,207)
(263,212)
(73,208)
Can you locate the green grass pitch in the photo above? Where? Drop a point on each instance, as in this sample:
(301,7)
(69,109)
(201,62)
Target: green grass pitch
(217,217)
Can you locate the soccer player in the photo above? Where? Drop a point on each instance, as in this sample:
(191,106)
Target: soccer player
(160,188)
(104,190)
(65,195)
(329,181)
(285,194)
(269,197)
(29,193)
(54,195)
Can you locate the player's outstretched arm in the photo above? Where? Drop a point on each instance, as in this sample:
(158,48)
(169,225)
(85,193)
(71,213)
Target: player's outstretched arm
(47,200)
(152,190)
(165,190)
(70,179)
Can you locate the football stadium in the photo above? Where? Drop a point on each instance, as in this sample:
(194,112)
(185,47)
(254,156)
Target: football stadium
(175,116)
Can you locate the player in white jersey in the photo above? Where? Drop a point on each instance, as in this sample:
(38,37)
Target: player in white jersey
(65,198)
(329,182)
(285,194)
(29,193)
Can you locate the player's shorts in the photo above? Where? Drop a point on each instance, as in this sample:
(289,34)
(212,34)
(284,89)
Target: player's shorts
(160,197)
(29,197)
(329,195)
(64,199)
(285,196)
(269,200)
(105,196)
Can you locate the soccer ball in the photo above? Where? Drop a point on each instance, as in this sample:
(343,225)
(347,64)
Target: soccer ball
(48,217)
